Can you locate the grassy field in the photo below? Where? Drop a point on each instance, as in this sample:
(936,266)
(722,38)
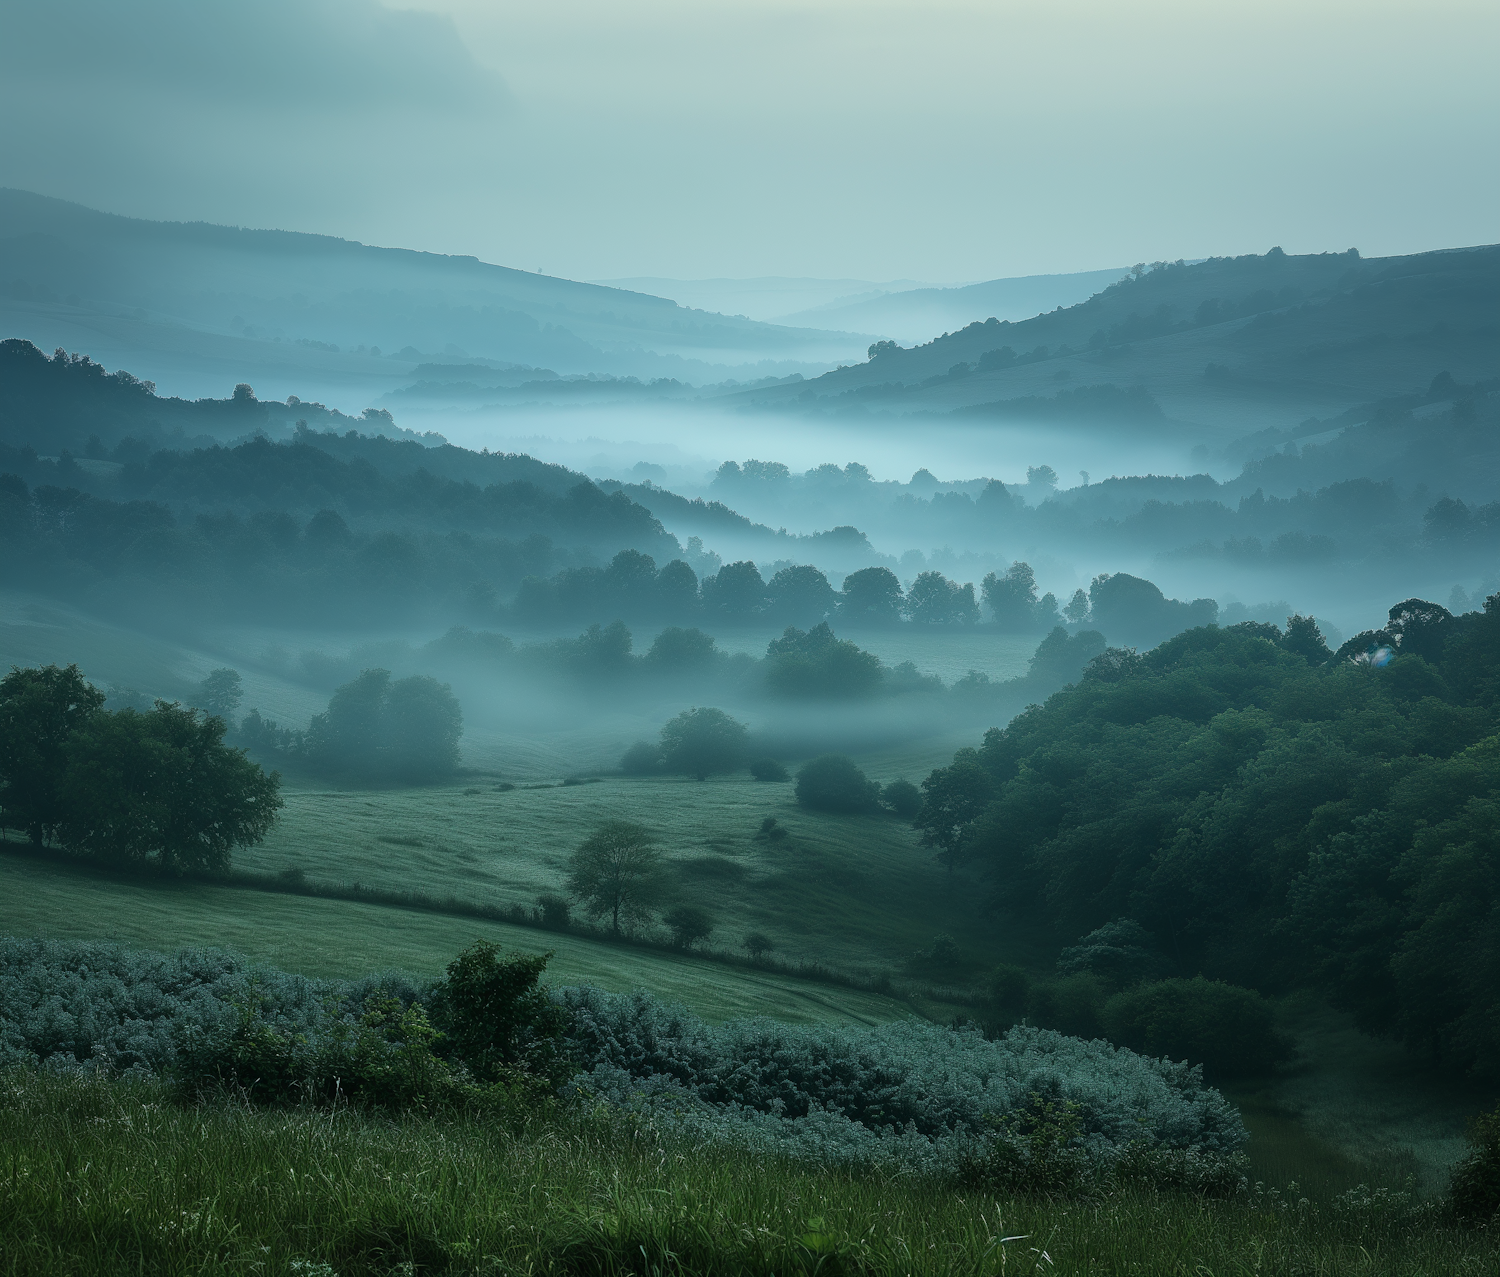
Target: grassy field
(857,893)
(343,938)
(102,1178)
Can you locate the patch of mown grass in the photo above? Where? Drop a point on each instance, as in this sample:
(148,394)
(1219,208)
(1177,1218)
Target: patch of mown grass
(312,935)
(852,893)
(103,1177)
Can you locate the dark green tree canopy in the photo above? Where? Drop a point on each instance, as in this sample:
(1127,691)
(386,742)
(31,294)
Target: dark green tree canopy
(702,742)
(40,710)
(163,786)
(616,873)
(834,783)
(817,664)
(1269,817)
(935,600)
(1012,598)
(870,596)
(737,591)
(799,596)
(379,729)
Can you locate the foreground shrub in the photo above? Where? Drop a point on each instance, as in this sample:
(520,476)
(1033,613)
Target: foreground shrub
(910,1094)
(497,1017)
(1474,1193)
(1227,1029)
(907,1096)
(380,1057)
(834,783)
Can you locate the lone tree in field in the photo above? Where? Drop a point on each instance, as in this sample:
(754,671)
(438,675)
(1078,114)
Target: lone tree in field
(616,873)
(39,710)
(220,694)
(834,783)
(700,742)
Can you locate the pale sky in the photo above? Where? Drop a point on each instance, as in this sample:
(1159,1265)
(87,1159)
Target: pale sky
(938,140)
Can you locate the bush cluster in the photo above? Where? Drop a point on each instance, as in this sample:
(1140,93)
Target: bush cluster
(910,1094)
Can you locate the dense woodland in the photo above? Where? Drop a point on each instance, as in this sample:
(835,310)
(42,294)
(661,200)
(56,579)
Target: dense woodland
(1269,812)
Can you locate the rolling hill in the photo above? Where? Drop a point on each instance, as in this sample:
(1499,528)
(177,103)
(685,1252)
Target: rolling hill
(214,305)
(1232,344)
(918,314)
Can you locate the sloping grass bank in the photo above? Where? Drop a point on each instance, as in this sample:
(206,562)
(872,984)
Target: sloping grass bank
(318,937)
(103,1177)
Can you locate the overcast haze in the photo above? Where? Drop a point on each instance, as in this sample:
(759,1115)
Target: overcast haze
(939,141)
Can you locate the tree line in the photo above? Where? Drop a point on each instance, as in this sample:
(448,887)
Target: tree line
(376,729)
(1269,812)
(158,788)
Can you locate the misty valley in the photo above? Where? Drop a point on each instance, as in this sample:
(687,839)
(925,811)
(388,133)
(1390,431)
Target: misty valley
(501,774)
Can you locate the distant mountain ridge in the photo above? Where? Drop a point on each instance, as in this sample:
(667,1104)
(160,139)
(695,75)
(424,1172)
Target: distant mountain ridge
(919,314)
(338,300)
(1234,344)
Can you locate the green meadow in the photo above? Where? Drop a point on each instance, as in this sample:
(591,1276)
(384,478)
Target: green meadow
(857,895)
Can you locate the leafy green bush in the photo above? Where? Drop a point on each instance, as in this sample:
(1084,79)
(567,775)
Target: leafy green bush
(1474,1192)
(769,769)
(554,910)
(834,783)
(688,924)
(1227,1029)
(908,1093)
(381,1057)
(905,1095)
(903,798)
(1037,1149)
(497,1017)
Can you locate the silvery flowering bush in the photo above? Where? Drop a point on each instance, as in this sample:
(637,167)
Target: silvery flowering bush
(907,1095)
(915,1084)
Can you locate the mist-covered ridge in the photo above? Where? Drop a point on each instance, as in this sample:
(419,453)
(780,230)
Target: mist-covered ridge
(350,304)
(1220,342)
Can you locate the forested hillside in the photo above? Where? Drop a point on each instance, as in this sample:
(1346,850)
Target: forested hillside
(1271,813)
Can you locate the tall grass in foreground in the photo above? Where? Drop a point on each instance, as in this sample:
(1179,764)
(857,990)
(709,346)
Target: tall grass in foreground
(105,1177)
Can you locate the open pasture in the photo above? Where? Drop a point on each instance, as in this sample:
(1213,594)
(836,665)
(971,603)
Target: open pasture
(340,938)
(855,893)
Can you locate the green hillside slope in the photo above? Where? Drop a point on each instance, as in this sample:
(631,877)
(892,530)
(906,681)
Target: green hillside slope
(92,268)
(1265,339)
